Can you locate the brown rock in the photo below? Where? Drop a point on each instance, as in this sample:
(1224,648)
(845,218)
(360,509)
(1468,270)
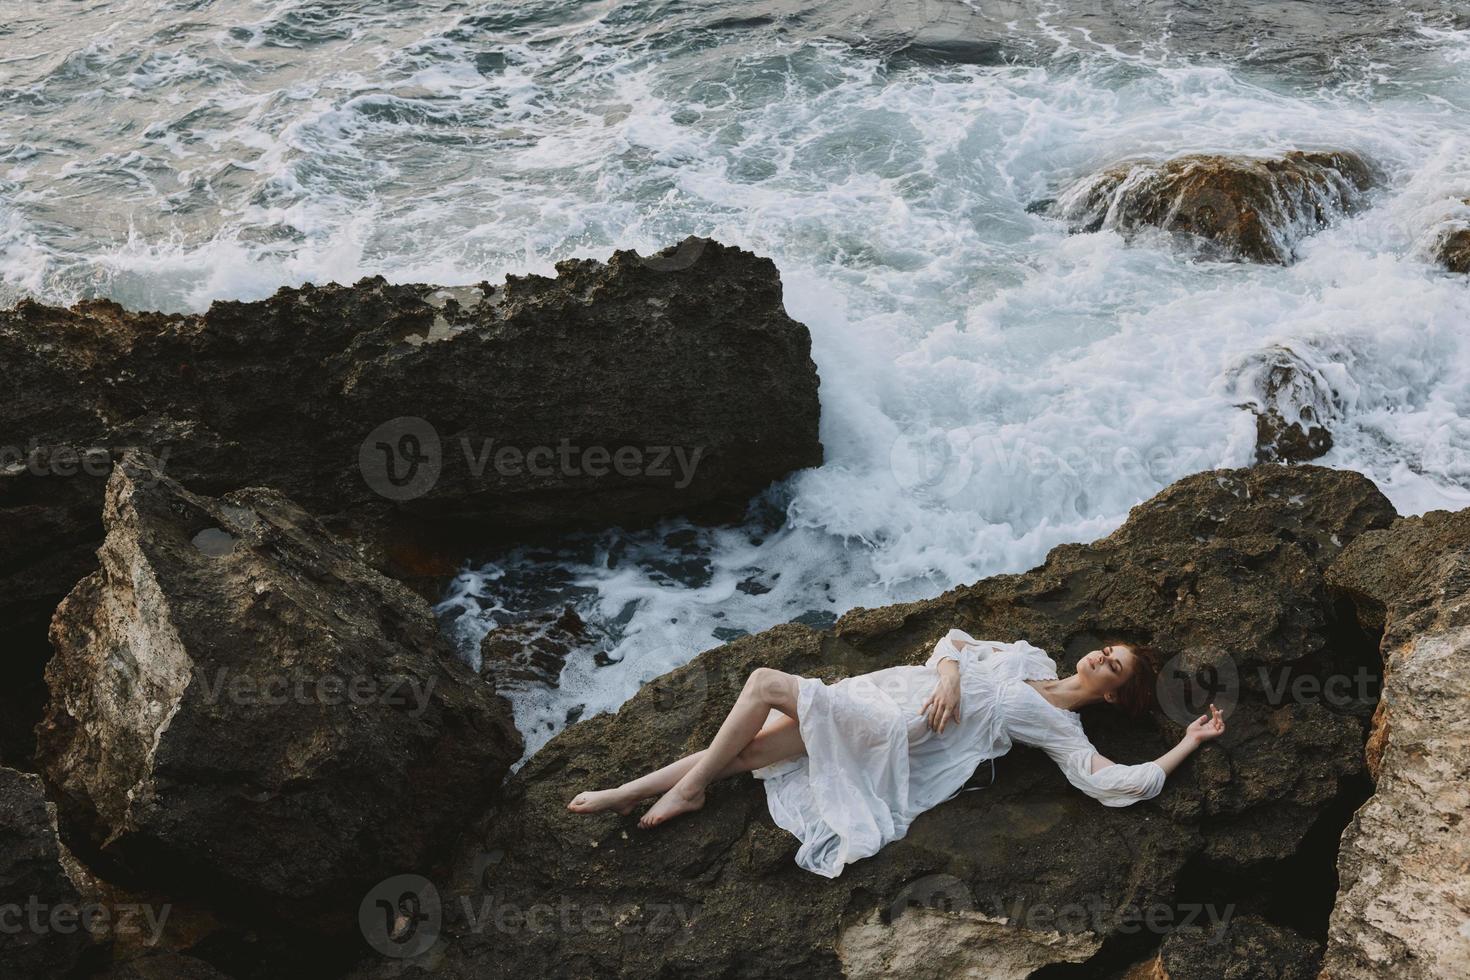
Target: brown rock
(243,712)
(1241,208)
(1405,891)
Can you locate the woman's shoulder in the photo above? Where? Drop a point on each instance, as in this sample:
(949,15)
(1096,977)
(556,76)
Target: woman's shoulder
(1039,663)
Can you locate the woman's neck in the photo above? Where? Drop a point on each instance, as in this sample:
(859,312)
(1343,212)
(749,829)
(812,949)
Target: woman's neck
(1067,693)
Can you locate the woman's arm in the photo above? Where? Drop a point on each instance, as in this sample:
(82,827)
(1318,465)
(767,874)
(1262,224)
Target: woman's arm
(1204,728)
(1109,782)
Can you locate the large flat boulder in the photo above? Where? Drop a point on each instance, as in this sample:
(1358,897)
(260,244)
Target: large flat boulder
(1404,863)
(1241,208)
(1223,568)
(242,712)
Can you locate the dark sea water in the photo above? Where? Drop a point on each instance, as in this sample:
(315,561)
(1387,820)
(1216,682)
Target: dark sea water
(991,387)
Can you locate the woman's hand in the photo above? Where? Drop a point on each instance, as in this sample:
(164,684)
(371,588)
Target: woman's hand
(1206,727)
(943,706)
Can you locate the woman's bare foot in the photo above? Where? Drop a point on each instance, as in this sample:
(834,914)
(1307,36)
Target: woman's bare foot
(676,801)
(597,800)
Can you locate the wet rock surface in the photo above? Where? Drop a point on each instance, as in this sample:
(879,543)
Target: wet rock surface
(1238,208)
(1401,909)
(242,712)
(1222,566)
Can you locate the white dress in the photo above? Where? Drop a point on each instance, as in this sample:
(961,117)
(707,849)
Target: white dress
(872,763)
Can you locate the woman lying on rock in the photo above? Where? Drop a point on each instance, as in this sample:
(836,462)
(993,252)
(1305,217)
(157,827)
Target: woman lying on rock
(848,766)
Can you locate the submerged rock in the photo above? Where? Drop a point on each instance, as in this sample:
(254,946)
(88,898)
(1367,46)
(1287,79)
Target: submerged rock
(615,393)
(1405,891)
(1241,208)
(243,712)
(1224,568)
(532,652)
(42,935)
(1452,250)
(1290,400)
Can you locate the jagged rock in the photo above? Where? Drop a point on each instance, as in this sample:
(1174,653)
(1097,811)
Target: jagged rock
(532,652)
(1241,208)
(1401,909)
(242,711)
(412,417)
(1225,563)
(42,935)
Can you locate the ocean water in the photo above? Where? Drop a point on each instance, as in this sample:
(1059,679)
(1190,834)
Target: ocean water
(991,386)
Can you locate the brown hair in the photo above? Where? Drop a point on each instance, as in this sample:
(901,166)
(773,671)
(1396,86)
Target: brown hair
(1136,695)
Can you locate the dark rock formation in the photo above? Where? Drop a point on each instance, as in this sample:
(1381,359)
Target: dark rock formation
(1241,208)
(42,935)
(413,417)
(242,711)
(1224,568)
(1401,907)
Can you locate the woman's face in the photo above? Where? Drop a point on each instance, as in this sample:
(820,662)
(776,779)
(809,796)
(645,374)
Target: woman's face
(1106,670)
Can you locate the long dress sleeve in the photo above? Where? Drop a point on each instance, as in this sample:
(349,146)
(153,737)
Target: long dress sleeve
(1033,721)
(1112,785)
(961,647)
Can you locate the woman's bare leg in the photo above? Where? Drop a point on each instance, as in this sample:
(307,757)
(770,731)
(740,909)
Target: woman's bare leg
(779,739)
(764,689)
